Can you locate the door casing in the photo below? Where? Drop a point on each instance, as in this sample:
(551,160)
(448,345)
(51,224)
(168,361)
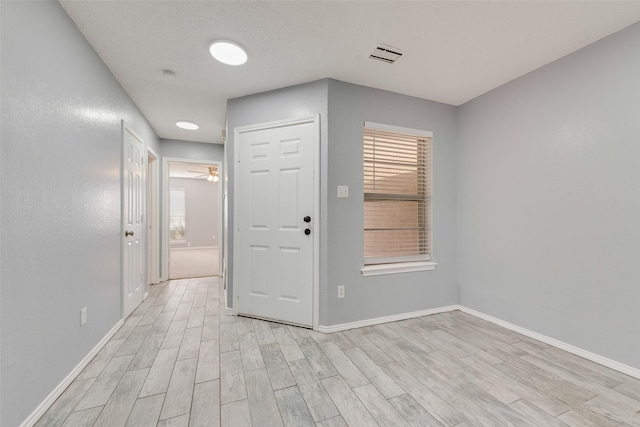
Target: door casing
(165,211)
(315,120)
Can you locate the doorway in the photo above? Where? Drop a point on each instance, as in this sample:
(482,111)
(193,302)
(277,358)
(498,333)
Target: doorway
(276,211)
(193,218)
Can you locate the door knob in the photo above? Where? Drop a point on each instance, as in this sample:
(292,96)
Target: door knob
(128,233)
(307,231)
(307,219)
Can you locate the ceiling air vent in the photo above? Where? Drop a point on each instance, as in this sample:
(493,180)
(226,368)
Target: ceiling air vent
(384,53)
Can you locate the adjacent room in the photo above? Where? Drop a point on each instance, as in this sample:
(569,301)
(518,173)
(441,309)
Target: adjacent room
(292,213)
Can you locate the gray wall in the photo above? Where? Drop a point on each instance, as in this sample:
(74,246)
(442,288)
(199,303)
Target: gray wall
(201,212)
(297,101)
(341,222)
(191,150)
(375,296)
(549,199)
(60,165)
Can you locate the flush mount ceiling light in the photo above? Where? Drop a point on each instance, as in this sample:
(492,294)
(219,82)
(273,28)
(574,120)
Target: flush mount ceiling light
(228,52)
(187,125)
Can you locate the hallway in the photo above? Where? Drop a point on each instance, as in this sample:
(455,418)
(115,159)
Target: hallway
(177,361)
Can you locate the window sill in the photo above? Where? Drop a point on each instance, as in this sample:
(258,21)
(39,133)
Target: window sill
(401,267)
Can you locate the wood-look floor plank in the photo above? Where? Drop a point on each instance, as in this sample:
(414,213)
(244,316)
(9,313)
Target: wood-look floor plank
(277,366)
(317,359)
(235,414)
(148,351)
(161,326)
(381,410)
(98,363)
(532,395)
(293,409)
(134,341)
(350,407)
(263,331)
(349,372)
(262,403)
(190,345)
(333,422)
(374,373)
(232,381)
(101,389)
(196,317)
(127,327)
(440,409)
(65,404)
(183,310)
(210,328)
(228,336)
(151,315)
(208,361)
(244,325)
(180,392)
(536,415)
(86,418)
(288,344)
(414,414)
(205,410)
(120,404)
(146,411)
(250,350)
(181,421)
(160,373)
(174,335)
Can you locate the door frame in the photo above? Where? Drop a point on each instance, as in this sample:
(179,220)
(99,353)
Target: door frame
(165,209)
(153,218)
(237,132)
(124,128)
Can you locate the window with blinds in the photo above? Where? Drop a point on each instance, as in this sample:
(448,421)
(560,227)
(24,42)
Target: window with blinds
(397,194)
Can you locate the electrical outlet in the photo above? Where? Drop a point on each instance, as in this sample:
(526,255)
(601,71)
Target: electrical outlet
(343,191)
(83,316)
(340,291)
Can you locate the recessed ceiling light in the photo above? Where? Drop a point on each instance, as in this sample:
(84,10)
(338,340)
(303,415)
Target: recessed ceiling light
(228,52)
(187,125)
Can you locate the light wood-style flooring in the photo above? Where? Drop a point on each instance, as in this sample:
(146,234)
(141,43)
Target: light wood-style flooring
(179,361)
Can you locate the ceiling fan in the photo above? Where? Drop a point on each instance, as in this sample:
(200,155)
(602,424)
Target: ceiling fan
(212,175)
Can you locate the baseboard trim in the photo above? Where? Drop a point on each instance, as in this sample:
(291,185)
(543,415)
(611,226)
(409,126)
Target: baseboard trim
(385,319)
(51,398)
(189,248)
(601,360)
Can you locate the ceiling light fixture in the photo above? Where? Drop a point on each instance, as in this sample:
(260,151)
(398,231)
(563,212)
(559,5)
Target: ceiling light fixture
(187,125)
(228,52)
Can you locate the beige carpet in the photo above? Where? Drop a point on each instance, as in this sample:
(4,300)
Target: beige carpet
(189,263)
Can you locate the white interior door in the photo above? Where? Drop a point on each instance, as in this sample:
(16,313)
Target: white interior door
(274,266)
(133,209)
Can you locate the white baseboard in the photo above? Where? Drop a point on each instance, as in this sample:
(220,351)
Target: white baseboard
(189,248)
(601,360)
(48,401)
(384,319)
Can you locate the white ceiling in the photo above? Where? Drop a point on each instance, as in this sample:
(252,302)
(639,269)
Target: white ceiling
(454,51)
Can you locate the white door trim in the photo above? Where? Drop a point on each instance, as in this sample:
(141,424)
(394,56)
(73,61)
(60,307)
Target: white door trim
(165,209)
(315,120)
(153,218)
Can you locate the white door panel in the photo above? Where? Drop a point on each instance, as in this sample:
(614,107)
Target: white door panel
(133,208)
(275,191)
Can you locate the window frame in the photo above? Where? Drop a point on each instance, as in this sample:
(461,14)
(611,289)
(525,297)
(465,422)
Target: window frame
(408,263)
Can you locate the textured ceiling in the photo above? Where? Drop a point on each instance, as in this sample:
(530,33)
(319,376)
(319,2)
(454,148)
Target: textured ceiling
(453,51)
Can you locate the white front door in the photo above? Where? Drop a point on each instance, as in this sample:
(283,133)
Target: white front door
(133,209)
(274,267)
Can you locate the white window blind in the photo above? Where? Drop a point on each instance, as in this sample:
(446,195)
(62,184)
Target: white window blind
(397,194)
